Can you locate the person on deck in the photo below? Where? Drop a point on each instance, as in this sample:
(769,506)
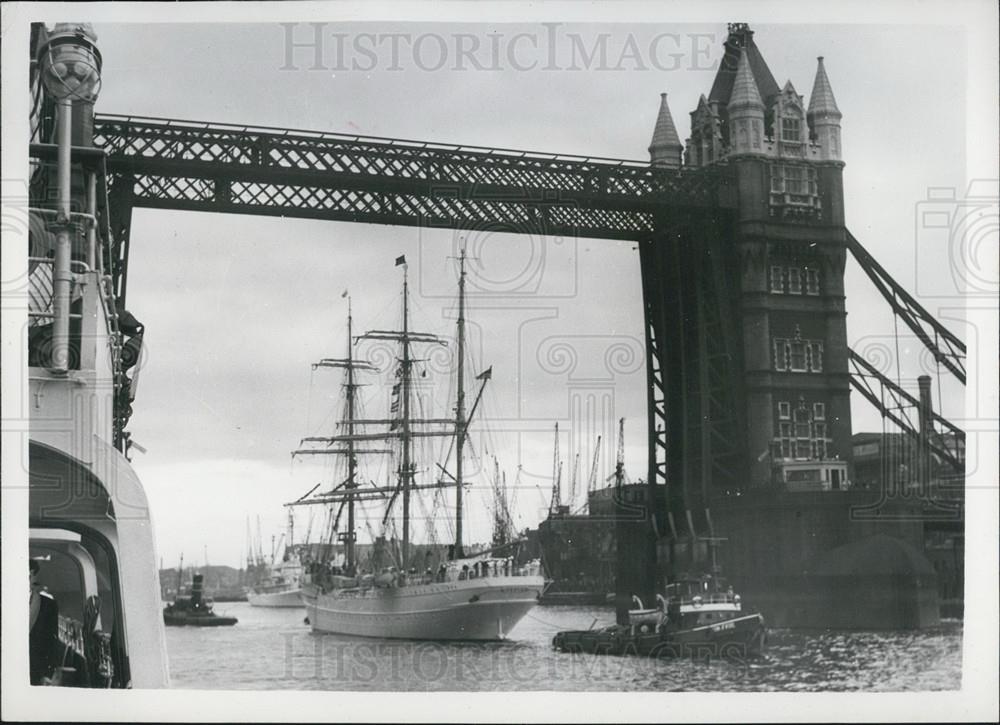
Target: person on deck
(44,644)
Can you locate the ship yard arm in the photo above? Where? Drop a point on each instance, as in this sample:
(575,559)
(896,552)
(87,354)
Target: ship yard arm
(484,377)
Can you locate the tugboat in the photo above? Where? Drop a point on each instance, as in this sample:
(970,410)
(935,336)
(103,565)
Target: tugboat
(695,617)
(194,610)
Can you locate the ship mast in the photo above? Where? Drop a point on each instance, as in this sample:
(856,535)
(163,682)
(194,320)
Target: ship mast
(405,472)
(406,434)
(460,422)
(401,428)
(350,486)
(352,459)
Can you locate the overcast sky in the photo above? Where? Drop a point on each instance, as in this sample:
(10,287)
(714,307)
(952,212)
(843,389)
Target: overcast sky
(237,308)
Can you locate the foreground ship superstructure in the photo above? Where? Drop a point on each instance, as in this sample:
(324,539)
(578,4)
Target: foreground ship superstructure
(90,530)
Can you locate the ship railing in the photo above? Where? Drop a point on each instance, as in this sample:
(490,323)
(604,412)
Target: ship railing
(71,632)
(366,581)
(41,286)
(712,598)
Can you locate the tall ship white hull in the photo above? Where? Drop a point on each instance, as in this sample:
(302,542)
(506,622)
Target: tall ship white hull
(285,598)
(475,609)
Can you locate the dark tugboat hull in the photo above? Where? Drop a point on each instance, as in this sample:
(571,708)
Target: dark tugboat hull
(194,610)
(211,621)
(734,639)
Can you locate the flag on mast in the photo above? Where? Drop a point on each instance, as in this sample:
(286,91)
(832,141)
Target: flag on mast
(344,294)
(394,407)
(486,374)
(401,260)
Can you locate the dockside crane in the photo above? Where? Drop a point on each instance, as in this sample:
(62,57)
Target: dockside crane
(574,479)
(556,476)
(592,478)
(620,478)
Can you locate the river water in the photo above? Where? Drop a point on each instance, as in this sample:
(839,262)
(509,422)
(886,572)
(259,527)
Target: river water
(273,649)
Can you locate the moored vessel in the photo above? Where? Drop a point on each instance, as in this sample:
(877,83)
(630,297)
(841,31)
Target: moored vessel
(282,585)
(281,595)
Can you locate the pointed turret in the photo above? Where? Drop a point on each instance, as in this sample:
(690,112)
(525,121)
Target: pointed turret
(746,111)
(821,101)
(823,116)
(665,149)
(745,94)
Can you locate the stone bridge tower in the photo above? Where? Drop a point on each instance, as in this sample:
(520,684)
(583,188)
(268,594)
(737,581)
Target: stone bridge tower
(788,242)
(746,324)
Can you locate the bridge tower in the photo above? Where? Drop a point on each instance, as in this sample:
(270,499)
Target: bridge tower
(788,245)
(749,383)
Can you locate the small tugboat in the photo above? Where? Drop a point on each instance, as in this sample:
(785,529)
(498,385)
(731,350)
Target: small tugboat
(696,617)
(194,610)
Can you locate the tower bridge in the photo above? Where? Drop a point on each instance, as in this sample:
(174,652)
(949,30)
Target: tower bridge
(742,247)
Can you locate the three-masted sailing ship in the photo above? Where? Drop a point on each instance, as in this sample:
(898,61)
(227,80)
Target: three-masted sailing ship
(480,597)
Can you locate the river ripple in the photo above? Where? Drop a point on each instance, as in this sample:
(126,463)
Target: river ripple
(273,649)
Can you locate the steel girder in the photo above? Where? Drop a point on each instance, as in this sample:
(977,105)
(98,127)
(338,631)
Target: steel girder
(239,169)
(903,410)
(945,345)
(694,373)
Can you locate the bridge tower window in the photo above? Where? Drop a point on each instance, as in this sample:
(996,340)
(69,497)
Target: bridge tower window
(797,355)
(777,279)
(812,281)
(802,434)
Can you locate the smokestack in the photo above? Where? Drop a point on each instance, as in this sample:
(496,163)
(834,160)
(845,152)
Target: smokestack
(925,418)
(197,584)
(926,406)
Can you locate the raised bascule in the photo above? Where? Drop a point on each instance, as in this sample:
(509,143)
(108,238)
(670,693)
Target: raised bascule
(743,247)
